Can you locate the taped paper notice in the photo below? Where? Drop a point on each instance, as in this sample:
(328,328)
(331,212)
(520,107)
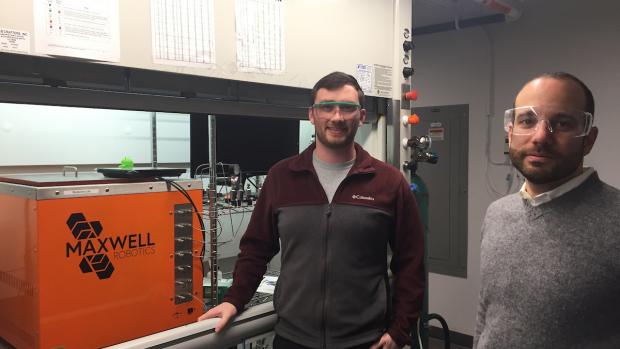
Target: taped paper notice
(383,81)
(14,41)
(364,77)
(375,79)
(260,36)
(183,32)
(86,29)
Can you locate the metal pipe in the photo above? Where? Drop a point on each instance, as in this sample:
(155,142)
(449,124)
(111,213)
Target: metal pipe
(212,210)
(505,13)
(463,23)
(153,139)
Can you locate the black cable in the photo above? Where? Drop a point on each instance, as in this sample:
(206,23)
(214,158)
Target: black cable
(196,211)
(219,191)
(240,223)
(198,214)
(444,326)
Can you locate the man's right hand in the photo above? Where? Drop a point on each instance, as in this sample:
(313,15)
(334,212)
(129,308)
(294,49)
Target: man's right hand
(224,311)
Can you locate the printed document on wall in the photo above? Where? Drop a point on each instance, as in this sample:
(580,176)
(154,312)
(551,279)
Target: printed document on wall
(182,32)
(17,41)
(86,29)
(382,81)
(260,35)
(375,79)
(364,77)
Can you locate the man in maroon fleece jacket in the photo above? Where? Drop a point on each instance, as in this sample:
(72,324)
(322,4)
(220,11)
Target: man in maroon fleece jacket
(333,210)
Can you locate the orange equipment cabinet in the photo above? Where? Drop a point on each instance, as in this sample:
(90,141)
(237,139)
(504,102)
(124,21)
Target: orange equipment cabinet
(91,262)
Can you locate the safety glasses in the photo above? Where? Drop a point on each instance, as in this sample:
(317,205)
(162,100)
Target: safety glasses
(563,122)
(330,108)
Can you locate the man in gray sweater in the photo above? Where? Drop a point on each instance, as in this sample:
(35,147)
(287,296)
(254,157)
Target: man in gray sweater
(550,255)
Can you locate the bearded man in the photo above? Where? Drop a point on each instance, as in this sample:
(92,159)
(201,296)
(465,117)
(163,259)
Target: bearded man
(550,266)
(333,210)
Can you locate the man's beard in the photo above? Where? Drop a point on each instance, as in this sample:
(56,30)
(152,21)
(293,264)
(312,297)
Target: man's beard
(558,169)
(340,143)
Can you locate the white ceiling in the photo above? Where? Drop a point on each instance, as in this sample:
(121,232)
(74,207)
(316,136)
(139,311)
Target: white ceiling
(429,12)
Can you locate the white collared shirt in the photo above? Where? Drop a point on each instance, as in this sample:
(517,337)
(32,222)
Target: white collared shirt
(557,192)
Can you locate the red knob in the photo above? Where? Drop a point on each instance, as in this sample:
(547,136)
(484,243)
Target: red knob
(411,95)
(413,119)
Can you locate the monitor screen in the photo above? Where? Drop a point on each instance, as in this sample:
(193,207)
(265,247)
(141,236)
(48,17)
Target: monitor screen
(255,143)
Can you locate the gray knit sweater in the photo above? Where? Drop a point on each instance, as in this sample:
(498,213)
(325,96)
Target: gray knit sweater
(551,273)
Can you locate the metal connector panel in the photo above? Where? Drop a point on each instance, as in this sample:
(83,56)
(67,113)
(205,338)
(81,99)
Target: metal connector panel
(183,256)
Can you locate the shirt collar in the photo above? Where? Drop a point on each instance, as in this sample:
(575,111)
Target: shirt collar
(556,192)
(363,162)
(330,166)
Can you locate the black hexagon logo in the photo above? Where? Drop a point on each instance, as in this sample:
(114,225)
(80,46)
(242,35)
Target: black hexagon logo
(82,229)
(85,265)
(101,265)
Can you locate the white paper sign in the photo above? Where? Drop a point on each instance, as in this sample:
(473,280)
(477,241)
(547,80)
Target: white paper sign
(14,41)
(86,29)
(383,81)
(183,32)
(375,80)
(260,36)
(364,77)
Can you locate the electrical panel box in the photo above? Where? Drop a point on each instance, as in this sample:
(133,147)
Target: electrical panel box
(447,127)
(89,262)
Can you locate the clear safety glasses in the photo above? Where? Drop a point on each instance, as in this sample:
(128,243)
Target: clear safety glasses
(526,120)
(329,108)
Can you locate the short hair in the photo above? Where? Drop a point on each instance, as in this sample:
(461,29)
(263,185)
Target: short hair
(570,77)
(336,80)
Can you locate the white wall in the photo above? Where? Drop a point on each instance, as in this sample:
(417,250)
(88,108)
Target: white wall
(320,36)
(454,67)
